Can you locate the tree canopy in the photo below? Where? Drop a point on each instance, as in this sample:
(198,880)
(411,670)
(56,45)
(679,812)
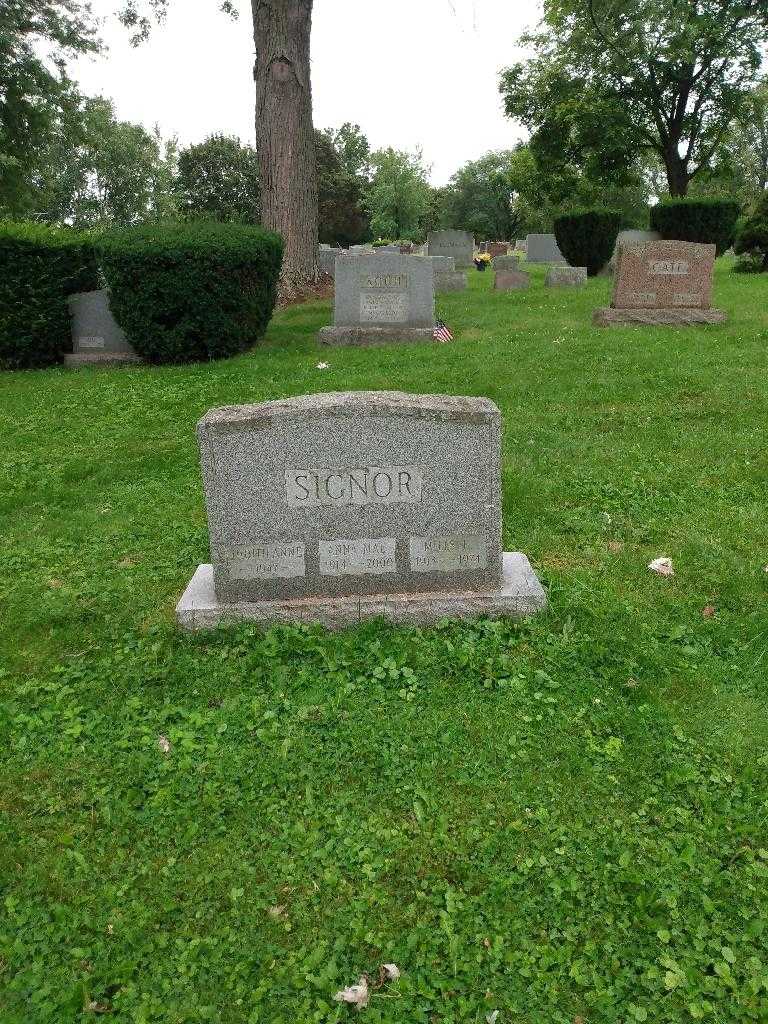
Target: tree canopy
(398,198)
(609,81)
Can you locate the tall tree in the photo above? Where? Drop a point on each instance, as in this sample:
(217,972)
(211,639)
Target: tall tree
(398,198)
(284,133)
(219,179)
(285,138)
(37,37)
(97,170)
(342,217)
(609,79)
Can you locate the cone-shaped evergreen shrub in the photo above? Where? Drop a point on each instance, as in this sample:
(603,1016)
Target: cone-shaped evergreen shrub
(586,237)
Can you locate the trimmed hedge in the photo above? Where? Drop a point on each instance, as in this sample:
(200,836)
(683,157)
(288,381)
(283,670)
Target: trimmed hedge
(39,267)
(752,239)
(587,237)
(194,291)
(697,220)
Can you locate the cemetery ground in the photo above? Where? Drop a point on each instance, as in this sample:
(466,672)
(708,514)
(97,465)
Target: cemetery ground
(563,819)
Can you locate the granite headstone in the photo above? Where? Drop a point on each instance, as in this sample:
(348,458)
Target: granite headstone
(334,508)
(566,277)
(381,299)
(510,280)
(662,282)
(97,338)
(543,248)
(458,244)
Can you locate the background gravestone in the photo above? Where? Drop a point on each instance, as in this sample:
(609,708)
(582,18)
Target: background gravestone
(333,508)
(381,298)
(662,282)
(97,338)
(326,259)
(506,262)
(459,244)
(510,280)
(566,277)
(541,248)
(447,277)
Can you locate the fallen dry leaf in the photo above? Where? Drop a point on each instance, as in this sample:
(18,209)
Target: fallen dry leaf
(322,366)
(662,566)
(492,1017)
(355,995)
(487,943)
(708,611)
(277,911)
(164,744)
(55,584)
(126,563)
(391,971)
(615,546)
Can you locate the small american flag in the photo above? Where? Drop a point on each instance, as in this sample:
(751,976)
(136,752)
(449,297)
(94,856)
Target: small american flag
(441,332)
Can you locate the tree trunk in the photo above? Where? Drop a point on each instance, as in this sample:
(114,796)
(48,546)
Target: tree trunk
(285,135)
(676,167)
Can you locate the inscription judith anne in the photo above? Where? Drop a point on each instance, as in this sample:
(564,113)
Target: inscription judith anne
(368,485)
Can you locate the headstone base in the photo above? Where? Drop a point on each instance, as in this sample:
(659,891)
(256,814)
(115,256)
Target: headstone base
(519,595)
(510,280)
(75,359)
(451,281)
(610,317)
(365,337)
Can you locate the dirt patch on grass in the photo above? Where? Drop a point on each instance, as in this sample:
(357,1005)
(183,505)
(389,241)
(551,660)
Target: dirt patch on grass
(316,293)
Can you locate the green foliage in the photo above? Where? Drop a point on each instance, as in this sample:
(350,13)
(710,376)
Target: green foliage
(353,149)
(587,237)
(196,291)
(342,218)
(37,39)
(566,813)
(485,196)
(752,238)
(218,179)
(398,198)
(601,89)
(697,220)
(39,268)
(96,170)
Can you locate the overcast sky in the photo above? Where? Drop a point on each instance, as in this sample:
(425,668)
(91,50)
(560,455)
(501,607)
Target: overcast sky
(409,72)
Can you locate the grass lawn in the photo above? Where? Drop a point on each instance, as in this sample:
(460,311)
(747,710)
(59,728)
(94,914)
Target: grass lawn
(565,820)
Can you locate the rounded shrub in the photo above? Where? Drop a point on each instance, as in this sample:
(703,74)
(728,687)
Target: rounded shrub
(39,267)
(587,237)
(193,291)
(697,220)
(752,239)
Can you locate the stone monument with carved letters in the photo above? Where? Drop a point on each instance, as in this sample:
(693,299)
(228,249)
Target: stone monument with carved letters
(662,282)
(458,244)
(381,299)
(335,508)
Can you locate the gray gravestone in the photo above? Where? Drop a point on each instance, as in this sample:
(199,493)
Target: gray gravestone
(381,299)
(506,263)
(447,277)
(520,245)
(510,280)
(566,277)
(326,259)
(334,508)
(97,338)
(458,244)
(543,249)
